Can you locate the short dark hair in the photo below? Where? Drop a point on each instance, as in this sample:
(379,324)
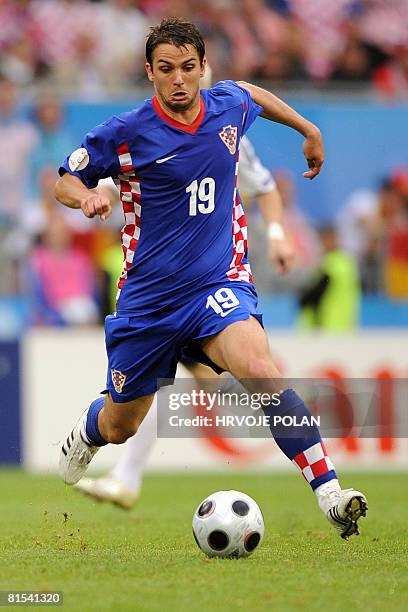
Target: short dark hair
(175,31)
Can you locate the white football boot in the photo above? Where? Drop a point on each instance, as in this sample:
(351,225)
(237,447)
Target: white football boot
(343,508)
(108,488)
(75,456)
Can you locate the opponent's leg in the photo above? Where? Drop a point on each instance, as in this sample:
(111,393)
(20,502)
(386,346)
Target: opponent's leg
(302,445)
(103,422)
(132,464)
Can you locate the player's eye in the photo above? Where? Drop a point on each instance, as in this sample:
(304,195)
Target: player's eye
(189,67)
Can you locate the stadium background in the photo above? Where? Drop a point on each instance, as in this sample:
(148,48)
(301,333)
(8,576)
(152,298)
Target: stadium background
(66,65)
(60,77)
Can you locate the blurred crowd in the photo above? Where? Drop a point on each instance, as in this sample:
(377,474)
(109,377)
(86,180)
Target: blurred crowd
(95,48)
(66,266)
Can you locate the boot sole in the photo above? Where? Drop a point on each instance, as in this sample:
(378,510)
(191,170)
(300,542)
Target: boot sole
(355,509)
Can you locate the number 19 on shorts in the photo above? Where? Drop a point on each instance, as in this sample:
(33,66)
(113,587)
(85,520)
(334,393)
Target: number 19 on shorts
(202,196)
(223,301)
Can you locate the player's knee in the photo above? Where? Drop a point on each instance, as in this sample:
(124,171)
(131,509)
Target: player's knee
(119,434)
(262,368)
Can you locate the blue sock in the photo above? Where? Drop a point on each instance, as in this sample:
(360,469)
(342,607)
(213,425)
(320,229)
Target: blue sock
(303,444)
(91,425)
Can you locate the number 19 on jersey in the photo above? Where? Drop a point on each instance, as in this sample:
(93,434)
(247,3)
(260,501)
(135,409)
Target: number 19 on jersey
(202,196)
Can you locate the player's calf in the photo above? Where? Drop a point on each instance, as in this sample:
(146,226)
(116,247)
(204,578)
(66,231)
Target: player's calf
(118,422)
(119,435)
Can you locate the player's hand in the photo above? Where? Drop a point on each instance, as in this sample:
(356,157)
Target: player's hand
(96,204)
(313,150)
(282,254)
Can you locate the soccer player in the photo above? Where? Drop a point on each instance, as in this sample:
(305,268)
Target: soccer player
(186,279)
(122,486)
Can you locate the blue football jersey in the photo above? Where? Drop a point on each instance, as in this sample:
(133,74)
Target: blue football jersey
(185,225)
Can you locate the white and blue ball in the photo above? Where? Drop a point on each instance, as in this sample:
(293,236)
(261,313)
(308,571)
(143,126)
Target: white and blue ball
(228,524)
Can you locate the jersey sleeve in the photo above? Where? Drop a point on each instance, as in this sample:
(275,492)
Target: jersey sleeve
(97,158)
(250,109)
(253,178)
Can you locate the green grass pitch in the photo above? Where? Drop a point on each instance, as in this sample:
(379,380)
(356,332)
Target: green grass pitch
(104,558)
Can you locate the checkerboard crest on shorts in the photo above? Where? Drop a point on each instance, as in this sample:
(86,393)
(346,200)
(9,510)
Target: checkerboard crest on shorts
(118,379)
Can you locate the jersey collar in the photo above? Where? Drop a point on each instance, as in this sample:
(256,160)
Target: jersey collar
(190,128)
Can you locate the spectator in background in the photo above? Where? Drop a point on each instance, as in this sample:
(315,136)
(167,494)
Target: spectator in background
(16,20)
(284,40)
(89,236)
(182,8)
(323,27)
(17,140)
(83,73)
(331,302)
(54,138)
(232,49)
(358,61)
(372,227)
(122,30)
(280,6)
(59,22)
(391,79)
(384,24)
(395,216)
(36,213)
(20,62)
(152,8)
(287,65)
(302,235)
(86,234)
(275,42)
(358,225)
(61,279)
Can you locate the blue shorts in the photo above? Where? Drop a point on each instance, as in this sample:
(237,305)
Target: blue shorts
(142,349)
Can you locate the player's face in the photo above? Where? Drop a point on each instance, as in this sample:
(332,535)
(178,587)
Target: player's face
(176,74)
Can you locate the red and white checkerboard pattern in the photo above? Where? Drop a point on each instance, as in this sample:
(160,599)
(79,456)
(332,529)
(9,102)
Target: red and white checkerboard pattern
(237,270)
(124,158)
(313,462)
(130,196)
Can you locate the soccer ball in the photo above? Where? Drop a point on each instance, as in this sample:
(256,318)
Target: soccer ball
(228,524)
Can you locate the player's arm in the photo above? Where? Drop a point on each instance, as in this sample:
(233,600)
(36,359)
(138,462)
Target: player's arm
(280,247)
(71,191)
(257,182)
(81,172)
(280,112)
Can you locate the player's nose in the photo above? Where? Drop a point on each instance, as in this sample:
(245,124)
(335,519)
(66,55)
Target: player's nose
(178,77)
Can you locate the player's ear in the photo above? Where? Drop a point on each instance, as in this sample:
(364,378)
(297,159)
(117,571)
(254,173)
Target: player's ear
(202,68)
(149,71)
